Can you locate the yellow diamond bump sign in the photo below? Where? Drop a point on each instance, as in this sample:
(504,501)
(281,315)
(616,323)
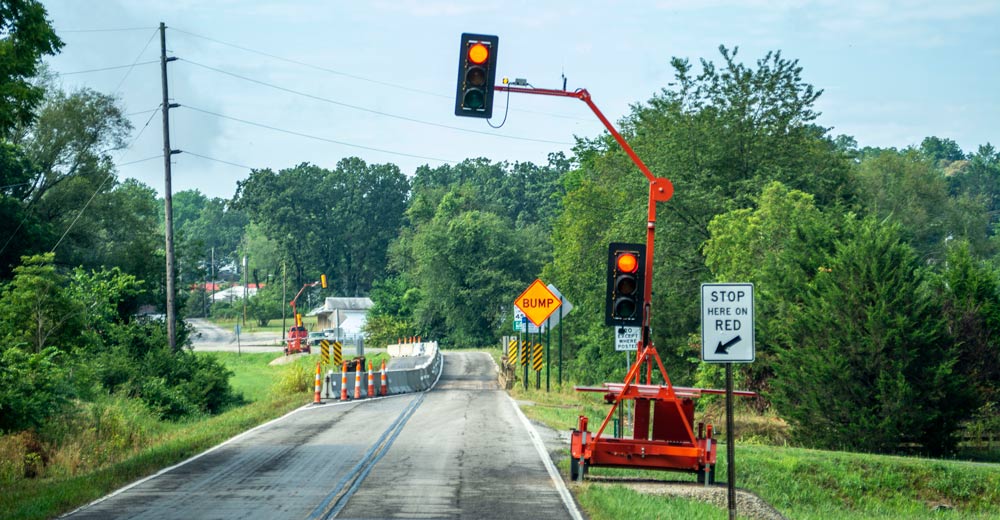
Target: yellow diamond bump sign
(537,302)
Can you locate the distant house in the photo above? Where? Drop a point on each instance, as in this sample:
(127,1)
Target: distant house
(234,293)
(351,312)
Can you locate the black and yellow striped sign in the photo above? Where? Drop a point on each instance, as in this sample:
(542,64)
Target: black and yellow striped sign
(338,354)
(536,358)
(512,352)
(524,352)
(324,352)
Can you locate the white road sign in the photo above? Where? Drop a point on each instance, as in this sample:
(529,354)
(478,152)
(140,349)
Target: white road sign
(727,323)
(627,338)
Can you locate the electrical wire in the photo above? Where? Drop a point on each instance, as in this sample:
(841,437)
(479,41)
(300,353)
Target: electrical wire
(120,29)
(217,160)
(116,67)
(309,136)
(506,110)
(134,62)
(355,76)
(363,109)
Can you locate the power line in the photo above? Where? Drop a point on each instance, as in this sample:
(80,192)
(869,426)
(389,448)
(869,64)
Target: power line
(355,76)
(120,29)
(160,156)
(369,110)
(116,67)
(217,160)
(134,62)
(309,136)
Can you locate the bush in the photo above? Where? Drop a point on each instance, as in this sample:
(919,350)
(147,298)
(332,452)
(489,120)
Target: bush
(32,388)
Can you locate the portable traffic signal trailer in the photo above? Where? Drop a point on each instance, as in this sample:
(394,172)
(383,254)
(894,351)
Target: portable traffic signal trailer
(663,435)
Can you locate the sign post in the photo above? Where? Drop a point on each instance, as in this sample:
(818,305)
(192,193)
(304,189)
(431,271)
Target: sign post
(727,336)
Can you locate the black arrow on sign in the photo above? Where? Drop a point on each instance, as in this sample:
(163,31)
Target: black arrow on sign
(723,348)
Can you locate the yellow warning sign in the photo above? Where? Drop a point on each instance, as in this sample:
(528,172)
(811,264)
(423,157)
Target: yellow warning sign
(537,302)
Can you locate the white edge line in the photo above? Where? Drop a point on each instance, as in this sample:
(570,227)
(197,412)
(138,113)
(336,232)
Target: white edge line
(536,440)
(127,487)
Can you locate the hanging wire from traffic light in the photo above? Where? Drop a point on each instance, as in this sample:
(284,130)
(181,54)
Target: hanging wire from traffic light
(626,289)
(477,72)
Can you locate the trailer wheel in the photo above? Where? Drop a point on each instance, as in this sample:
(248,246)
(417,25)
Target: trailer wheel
(574,468)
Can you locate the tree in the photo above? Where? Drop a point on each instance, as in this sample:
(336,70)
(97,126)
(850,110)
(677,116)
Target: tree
(720,135)
(868,364)
(26,36)
(779,246)
(36,311)
(469,265)
(908,188)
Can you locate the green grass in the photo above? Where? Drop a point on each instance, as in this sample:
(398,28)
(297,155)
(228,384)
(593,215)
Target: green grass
(271,390)
(800,483)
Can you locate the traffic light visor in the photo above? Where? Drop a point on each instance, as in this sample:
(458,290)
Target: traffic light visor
(628,263)
(478,53)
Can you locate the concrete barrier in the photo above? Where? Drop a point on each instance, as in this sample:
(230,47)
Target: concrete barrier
(427,363)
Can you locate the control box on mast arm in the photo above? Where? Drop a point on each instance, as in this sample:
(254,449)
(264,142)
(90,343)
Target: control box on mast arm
(297,341)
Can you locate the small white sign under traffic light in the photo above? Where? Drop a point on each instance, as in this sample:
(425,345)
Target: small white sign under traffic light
(727,323)
(627,338)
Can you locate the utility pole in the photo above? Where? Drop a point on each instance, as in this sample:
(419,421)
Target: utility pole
(168,230)
(284,298)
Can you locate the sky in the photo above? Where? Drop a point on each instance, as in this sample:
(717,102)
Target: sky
(273,84)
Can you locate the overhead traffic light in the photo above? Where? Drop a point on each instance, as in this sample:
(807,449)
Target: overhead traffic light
(626,288)
(477,60)
(322,281)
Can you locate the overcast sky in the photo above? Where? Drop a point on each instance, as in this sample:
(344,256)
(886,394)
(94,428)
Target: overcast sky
(376,79)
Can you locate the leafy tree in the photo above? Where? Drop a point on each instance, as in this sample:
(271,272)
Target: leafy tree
(36,311)
(720,135)
(336,222)
(970,292)
(266,305)
(779,246)
(868,364)
(941,150)
(908,188)
(469,265)
(25,36)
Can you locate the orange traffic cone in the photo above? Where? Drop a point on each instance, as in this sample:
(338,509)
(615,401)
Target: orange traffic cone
(343,382)
(371,381)
(319,384)
(357,380)
(385,384)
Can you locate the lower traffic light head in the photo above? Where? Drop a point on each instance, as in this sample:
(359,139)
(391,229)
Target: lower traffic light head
(626,289)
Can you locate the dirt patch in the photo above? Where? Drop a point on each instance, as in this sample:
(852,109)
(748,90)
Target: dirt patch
(284,360)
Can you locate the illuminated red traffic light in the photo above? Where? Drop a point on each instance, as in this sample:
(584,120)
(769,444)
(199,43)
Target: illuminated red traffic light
(478,53)
(627,263)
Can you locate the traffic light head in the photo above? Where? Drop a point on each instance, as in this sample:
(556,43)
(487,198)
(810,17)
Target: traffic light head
(626,289)
(322,281)
(477,71)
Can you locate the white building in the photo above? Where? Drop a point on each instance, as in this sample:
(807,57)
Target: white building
(351,313)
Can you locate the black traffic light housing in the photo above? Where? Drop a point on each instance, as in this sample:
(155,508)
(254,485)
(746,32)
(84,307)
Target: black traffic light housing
(477,71)
(626,284)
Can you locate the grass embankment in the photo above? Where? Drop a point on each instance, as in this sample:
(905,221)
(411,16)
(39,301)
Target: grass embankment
(800,483)
(117,444)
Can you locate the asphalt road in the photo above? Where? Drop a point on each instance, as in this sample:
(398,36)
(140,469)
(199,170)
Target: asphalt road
(461,450)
